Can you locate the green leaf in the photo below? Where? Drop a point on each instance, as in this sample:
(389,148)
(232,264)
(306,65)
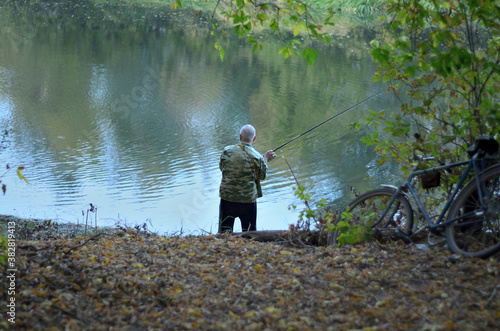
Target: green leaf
(410,71)
(241,33)
(274,24)
(262,17)
(221,51)
(285,51)
(303,26)
(300,8)
(346,215)
(311,55)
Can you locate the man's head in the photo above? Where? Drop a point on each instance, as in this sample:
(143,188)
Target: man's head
(247,134)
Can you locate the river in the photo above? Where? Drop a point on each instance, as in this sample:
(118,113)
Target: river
(133,120)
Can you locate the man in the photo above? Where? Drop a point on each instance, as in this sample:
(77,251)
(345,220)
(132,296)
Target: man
(242,170)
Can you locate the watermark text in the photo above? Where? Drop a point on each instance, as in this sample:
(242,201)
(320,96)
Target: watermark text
(11,272)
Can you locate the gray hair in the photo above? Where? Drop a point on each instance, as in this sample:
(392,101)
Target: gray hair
(247,133)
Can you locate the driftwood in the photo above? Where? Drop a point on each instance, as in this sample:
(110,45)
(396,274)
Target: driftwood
(306,238)
(264,236)
(311,238)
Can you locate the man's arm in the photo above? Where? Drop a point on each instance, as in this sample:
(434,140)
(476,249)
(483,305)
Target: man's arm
(269,155)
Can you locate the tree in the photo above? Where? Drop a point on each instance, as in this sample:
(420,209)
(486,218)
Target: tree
(276,17)
(444,64)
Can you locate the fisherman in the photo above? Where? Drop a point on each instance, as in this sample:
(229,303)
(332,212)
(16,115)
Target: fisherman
(242,170)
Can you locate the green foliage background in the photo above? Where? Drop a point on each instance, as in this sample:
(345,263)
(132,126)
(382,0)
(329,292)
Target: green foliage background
(445,65)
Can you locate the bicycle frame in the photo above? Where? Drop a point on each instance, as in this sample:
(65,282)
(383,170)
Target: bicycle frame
(433,226)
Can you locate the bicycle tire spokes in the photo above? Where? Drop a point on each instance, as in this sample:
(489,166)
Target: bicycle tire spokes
(477,229)
(369,208)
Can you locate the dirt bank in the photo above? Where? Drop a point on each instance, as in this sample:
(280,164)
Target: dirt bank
(132,279)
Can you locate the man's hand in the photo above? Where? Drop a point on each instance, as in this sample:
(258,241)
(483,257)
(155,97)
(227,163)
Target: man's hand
(269,155)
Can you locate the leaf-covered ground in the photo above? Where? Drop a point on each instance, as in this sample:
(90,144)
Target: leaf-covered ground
(133,280)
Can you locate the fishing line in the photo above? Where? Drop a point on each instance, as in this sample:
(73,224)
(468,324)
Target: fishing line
(327,120)
(298,185)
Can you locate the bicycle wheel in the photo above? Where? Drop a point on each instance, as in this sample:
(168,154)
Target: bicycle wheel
(368,207)
(476,233)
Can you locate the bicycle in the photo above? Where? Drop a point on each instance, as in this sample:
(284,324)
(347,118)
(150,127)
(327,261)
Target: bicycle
(470,217)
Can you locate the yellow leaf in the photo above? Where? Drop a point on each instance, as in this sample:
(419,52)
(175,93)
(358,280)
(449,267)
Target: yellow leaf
(46,304)
(335,286)
(195,312)
(275,311)
(384,302)
(250,314)
(39,293)
(20,175)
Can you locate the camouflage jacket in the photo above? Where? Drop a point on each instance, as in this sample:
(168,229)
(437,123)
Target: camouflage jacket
(238,174)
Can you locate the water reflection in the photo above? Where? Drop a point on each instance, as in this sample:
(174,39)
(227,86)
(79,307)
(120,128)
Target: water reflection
(134,122)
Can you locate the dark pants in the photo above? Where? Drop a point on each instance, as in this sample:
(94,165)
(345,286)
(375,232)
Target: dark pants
(228,211)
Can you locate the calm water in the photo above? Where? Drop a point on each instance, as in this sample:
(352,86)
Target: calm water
(134,121)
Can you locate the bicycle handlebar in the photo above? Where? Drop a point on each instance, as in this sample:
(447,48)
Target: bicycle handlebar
(423,158)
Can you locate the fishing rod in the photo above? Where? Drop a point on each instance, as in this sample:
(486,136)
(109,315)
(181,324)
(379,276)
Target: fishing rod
(327,120)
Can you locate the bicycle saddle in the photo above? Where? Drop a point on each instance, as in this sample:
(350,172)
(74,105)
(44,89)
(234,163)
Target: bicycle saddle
(486,146)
